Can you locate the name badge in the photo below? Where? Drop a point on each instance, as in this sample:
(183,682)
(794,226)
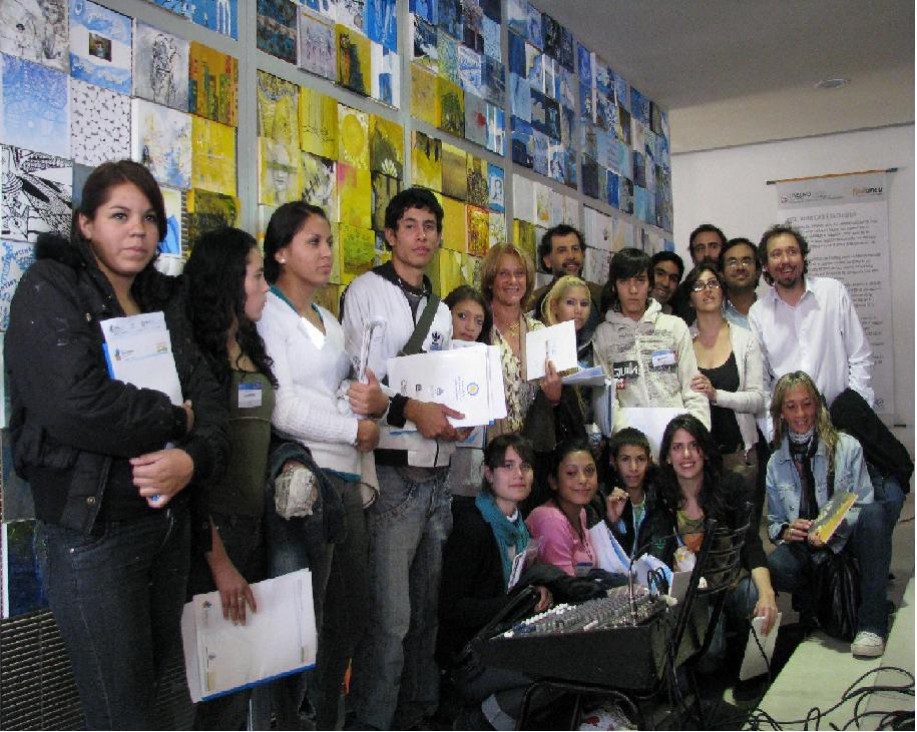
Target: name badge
(665,357)
(625,370)
(249,395)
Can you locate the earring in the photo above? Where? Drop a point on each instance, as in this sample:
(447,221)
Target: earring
(282,261)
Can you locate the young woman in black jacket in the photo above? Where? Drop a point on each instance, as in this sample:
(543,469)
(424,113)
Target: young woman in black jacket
(478,561)
(109,463)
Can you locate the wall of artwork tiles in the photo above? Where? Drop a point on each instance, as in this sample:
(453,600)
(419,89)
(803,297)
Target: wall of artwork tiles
(237,106)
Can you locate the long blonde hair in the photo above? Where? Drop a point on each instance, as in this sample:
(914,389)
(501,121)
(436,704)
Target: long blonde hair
(556,293)
(823,427)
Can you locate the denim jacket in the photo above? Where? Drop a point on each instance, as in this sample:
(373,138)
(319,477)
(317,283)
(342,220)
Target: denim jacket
(784,486)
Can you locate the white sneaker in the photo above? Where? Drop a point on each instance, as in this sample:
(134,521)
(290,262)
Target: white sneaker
(867,644)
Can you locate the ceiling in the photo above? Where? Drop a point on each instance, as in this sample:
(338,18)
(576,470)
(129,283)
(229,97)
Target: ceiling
(735,72)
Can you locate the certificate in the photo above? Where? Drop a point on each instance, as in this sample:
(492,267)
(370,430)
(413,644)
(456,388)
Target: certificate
(138,351)
(467,380)
(557,343)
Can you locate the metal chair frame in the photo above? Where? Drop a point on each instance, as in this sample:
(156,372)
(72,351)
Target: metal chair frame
(720,566)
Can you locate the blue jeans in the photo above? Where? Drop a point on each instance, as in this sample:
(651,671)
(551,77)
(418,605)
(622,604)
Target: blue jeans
(395,679)
(292,544)
(117,596)
(791,569)
(888,493)
(738,610)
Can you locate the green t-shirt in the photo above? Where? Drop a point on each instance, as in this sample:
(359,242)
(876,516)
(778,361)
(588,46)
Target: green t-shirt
(251,403)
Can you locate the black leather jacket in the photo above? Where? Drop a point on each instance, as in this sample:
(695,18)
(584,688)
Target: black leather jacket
(69,420)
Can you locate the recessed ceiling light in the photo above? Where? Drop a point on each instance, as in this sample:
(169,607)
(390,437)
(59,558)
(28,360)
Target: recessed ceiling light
(832,83)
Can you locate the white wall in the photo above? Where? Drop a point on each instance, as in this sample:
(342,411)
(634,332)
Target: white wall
(728,187)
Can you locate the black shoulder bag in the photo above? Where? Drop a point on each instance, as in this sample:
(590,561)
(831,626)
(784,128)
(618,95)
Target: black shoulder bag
(837,588)
(415,342)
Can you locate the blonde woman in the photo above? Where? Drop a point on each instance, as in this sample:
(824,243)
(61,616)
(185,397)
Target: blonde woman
(569,299)
(811,461)
(507,279)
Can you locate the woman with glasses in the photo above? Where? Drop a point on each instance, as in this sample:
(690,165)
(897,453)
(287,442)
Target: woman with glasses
(507,280)
(731,375)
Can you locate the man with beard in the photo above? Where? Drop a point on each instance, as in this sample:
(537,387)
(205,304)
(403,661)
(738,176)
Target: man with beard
(741,271)
(808,323)
(561,253)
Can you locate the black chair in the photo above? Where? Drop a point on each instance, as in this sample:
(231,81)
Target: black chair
(691,626)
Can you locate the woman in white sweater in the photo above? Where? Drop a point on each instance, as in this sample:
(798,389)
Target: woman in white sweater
(306,344)
(731,375)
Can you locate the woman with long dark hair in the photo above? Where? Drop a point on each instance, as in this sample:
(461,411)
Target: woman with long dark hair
(560,524)
(811,461)
(226,295)
(731,375)
(471,323)
(692,488)
(110,465)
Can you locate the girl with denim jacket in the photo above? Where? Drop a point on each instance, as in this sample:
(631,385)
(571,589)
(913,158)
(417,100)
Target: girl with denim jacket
(811,462)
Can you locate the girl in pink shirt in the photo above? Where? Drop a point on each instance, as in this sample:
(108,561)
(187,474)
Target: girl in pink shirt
(560,523)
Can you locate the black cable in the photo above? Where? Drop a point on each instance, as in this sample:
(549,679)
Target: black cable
(761,650)
(815,715)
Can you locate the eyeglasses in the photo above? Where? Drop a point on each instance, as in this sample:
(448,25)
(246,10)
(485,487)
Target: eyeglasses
(732,262)
(700,286)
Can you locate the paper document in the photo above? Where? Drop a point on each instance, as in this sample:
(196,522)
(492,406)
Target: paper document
(277,640)
(753,663)
(557,343)
(469,380)
(138,351)
(594,376)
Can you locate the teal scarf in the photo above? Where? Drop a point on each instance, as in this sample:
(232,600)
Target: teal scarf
(507,533)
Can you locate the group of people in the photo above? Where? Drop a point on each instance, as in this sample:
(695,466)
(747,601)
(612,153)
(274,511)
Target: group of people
(415,532)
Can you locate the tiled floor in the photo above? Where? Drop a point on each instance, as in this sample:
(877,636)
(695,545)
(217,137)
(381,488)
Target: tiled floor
(822,669)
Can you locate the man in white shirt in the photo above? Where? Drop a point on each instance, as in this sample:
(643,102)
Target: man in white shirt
(808,323)
(395,678)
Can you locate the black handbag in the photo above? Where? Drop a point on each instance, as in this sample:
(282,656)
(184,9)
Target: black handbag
(837,589)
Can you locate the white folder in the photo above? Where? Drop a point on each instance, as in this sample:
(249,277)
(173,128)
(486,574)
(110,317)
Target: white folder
(278,640)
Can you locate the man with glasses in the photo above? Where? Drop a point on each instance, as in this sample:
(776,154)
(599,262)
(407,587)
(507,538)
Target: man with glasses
(741,271)
(705,244)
